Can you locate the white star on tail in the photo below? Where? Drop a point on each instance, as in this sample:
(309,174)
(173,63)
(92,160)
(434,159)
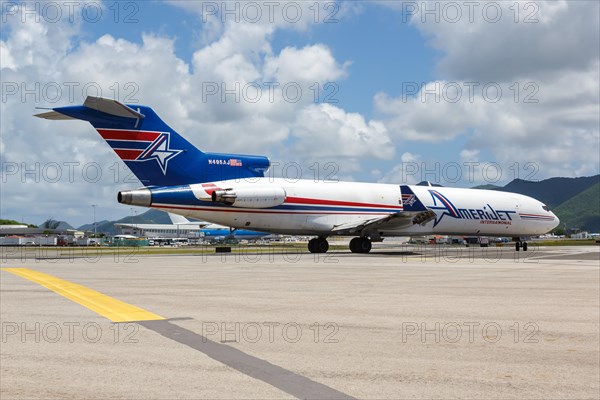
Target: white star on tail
(159,150)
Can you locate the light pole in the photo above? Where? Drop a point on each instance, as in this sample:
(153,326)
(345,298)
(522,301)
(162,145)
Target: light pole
(94,207)
(133,219)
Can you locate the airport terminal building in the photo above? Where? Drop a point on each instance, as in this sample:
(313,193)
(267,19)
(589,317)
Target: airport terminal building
(190,231)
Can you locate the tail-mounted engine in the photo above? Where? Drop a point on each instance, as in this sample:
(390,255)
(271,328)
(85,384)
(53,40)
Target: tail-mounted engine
(250,197)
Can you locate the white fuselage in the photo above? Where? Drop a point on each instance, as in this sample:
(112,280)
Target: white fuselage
(317,208)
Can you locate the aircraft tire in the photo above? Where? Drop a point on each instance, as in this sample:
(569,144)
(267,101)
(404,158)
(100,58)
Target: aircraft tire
(354,245)
(322,245)
(312,245)
(365,245)
(318,245)
(360,245)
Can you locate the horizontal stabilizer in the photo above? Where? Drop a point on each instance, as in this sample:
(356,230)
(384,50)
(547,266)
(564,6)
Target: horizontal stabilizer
(178,219)
(98,111)
(53,115)
(111,107)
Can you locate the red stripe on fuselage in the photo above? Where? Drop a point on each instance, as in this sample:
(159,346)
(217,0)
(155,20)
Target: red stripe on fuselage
(253,211)
(303,200)
(128,155)
(144,136)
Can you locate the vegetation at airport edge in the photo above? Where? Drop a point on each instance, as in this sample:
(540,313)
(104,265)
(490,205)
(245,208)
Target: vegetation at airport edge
(13,222)
(582,209)
(566,242)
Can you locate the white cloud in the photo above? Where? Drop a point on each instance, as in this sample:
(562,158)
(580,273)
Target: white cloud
(310,64)
(327,131)
(469,155)
(559,132)
(548,73)
(527,38)
(406,172)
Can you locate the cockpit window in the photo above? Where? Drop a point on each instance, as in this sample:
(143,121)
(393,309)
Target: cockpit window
(546,208)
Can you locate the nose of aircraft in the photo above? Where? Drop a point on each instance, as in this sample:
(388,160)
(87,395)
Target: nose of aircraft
(556,220)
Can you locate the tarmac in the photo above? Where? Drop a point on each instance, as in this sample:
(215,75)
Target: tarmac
(401,322)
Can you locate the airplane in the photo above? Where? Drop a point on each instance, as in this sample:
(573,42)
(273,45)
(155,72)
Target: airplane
(220,233)
(234,190)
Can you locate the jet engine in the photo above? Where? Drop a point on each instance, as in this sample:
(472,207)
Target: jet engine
(250,197)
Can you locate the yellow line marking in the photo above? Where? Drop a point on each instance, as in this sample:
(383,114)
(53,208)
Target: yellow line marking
(113,309)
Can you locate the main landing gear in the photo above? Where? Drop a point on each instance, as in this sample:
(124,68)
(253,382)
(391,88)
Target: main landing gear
(357,245)
(360,245)
(318,245)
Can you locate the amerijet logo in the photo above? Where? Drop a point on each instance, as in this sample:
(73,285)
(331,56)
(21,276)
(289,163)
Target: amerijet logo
(160,151)
(409,199)
(486,214)
(132,145)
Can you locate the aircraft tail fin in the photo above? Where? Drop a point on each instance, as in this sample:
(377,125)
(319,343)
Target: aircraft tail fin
(412,204)
(410,201)
(153,151)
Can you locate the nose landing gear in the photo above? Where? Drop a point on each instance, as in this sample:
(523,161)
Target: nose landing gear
(520,245)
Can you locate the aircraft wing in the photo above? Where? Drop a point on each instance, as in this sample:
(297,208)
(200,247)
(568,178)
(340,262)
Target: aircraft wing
(414,212)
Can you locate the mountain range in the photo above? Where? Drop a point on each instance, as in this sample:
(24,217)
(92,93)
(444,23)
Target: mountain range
(151,216)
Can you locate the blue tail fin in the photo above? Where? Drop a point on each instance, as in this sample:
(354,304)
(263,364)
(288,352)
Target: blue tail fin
(155,153)
(410,201)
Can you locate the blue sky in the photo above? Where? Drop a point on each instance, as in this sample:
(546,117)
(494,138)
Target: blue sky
(378,129)
(356,38)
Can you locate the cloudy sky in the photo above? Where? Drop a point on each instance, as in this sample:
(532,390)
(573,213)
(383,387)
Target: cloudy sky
(460,93)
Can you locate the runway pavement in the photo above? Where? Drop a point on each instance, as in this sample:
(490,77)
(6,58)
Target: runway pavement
(402,322)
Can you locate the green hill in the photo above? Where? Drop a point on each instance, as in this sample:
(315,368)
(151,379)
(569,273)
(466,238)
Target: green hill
(581,211)
(10,222)
(488,186)
(553,191)
(13,222)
